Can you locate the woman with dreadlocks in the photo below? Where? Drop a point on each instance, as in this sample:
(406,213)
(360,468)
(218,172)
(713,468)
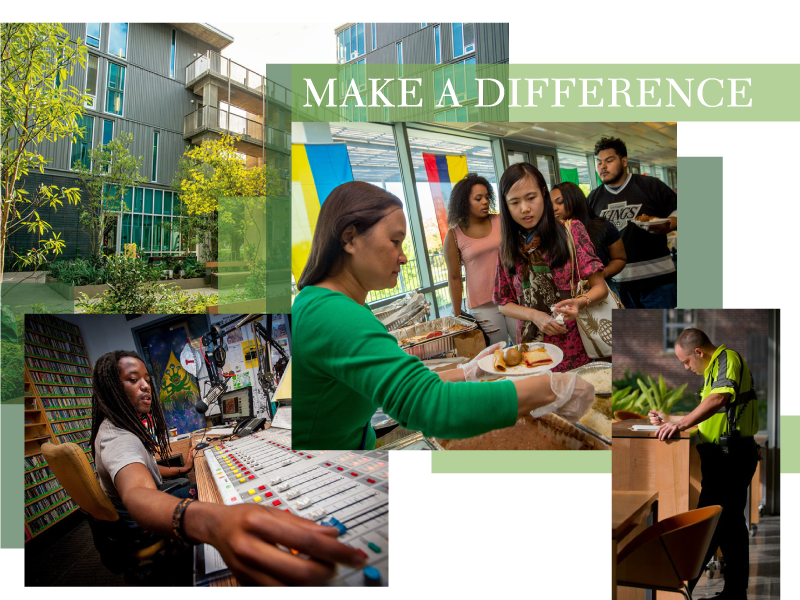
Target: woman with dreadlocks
(246,535)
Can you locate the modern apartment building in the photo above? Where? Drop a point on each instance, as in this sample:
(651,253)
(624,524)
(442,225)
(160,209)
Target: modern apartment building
(458,47)
(168,85)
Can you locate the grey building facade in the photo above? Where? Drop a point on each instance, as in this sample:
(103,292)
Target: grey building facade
(167,85)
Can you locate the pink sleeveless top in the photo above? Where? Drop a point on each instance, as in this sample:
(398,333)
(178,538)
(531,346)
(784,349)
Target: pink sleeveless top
(480,260)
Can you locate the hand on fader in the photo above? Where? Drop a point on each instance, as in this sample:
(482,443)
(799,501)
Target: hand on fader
(472,371)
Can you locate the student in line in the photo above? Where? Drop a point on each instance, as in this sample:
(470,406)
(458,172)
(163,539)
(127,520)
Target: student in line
(246,535)
(346,365)
(534,268)
(569,202)
(474,240)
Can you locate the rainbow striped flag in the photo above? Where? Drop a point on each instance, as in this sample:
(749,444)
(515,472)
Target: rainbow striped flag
(316,170)
(443,172)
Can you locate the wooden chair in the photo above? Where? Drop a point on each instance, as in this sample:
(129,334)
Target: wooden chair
(74,473)
(667,554)
(626,415)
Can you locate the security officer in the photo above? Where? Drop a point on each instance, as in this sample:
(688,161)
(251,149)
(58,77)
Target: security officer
(728,420)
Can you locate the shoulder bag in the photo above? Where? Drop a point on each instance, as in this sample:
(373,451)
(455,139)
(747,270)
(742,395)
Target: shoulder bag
(594,321)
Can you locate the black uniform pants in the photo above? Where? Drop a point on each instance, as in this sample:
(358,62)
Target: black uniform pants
(725,481)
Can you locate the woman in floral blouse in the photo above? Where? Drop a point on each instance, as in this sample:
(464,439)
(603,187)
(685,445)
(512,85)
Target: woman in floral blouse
(534,266)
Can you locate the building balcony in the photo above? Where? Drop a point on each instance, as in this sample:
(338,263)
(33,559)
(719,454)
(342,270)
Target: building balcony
(208,121)
(247,88)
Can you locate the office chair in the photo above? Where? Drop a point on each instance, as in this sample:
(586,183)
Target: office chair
(667,554)
(118,553)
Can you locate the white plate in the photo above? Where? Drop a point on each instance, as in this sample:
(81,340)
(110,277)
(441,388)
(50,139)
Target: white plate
(647,224)
(487,362)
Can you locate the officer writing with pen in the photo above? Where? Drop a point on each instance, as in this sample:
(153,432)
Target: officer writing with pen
(727,420)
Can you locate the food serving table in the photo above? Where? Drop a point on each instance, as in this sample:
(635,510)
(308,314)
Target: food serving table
(629,511)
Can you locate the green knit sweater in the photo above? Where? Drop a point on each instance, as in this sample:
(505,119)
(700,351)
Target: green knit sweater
(346,366)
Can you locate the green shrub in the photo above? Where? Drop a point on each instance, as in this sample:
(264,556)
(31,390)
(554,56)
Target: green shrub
(653,396)
(79,271)
(628,380)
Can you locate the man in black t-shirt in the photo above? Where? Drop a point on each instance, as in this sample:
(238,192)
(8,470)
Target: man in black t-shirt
(649,278)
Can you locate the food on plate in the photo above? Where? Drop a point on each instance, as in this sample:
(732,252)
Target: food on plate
(499,362)
(513,357)
(601,380)
(537,358)
(548,433)
(645,218)
(523,348)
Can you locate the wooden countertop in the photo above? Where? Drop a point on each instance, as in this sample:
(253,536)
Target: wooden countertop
(628,509)
(622,429)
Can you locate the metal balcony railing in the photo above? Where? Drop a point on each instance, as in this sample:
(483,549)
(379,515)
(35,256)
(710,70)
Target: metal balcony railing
(216,119)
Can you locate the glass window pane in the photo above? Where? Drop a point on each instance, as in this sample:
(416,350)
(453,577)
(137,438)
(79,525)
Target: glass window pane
(127,199)
(91,75)
(361,47)
(158,204)
(176,204)
(137,231)
(148,232)
(172,56)
(167,229)
(108,131)
(148,201)
(167,203)
(374,37)
(118,39)
(93,34)
(437,45)
(81,145)
(125,237)
(347,45)
(155,155)
(458,40)
(176,236)
(479,160)
(156,244)
(116,87)
(469,37)
(373,158)
(138,195)
(546,166)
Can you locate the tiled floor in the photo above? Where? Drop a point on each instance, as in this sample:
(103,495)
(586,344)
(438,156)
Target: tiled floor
(765,565)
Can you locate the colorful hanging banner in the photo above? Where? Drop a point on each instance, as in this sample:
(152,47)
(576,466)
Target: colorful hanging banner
(316,170)
(444,171)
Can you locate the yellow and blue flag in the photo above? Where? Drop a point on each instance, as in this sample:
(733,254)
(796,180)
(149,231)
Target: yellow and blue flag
(316,170)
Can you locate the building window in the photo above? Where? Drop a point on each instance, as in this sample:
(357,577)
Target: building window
(155,155)
(400,58)
(374,37)
(356,71)
(108,131)
(93,35)
(463,114)
(423,25)
(91,81)
(116,88)
(351,43)
(82,145)
(675,321)
(462,76)
(118,39)
(172,57)
(437,41)
(463,39)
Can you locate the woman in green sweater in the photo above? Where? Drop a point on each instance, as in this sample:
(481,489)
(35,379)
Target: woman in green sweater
(346,365)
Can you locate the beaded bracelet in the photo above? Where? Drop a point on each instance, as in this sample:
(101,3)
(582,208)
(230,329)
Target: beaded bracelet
(177,519)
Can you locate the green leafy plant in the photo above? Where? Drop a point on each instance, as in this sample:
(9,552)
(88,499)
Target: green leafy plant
(629,379)
(625,399)
(657,396)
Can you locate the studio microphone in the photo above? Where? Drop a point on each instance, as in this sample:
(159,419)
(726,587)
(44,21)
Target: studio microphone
(216,391)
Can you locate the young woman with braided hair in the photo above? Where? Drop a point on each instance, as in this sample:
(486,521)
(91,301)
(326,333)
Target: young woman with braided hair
(246,535)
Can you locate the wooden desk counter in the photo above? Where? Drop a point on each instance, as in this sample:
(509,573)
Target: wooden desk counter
(629,512)
(640,462)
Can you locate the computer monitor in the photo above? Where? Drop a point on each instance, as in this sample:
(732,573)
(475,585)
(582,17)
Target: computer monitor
(237,404)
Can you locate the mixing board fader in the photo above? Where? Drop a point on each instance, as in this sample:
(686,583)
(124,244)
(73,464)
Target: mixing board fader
(348,490)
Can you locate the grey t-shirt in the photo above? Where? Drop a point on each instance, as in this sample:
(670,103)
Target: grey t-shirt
(116,448)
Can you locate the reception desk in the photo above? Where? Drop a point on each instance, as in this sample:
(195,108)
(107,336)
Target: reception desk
(642,463)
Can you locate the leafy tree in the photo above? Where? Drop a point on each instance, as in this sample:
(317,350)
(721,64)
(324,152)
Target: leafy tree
(110,174)
(37,106)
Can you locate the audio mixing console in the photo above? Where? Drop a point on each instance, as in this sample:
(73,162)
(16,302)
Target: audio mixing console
(345,489)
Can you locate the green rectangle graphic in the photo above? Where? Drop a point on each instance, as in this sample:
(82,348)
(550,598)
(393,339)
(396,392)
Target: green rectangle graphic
(521,461)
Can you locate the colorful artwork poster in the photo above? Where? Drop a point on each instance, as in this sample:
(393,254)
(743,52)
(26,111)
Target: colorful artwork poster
(231,406)
(250,355)
(241,380)
(178,391)
(235,336)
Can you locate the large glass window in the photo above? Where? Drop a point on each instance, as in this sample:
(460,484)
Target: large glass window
(462,77)
(479,160)
(82,145)
(93,35)
(116,88)
(351,43)
(437,41)
(118,39)
(373,158)
(463,39)
(91,80)
(574,167)
(172,56)
(108,131)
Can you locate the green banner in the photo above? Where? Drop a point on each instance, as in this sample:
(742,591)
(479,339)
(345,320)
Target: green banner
(789,453)
(521,461)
